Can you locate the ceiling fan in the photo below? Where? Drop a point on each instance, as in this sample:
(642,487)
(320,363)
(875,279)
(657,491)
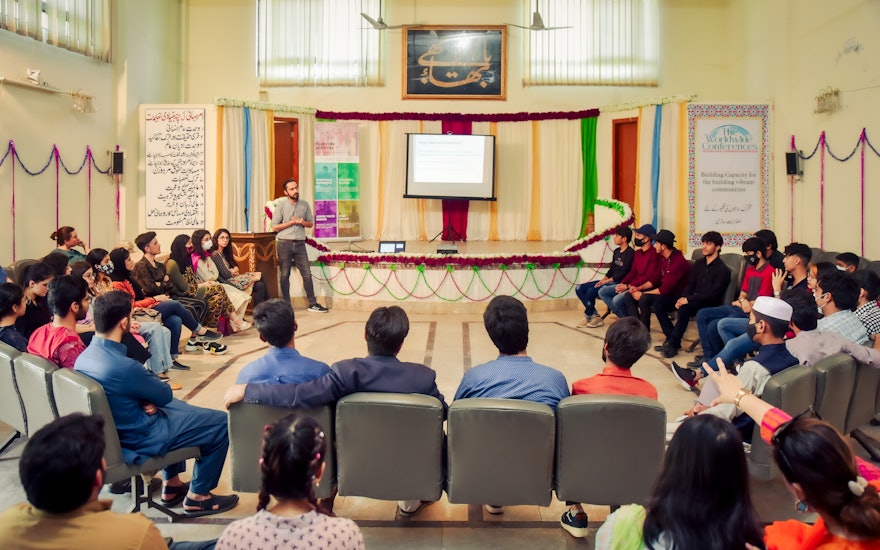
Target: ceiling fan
(538,22)
(380,24)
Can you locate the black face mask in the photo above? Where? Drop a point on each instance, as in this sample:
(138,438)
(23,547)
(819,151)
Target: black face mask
(639,242)
(753,260)
(752,330)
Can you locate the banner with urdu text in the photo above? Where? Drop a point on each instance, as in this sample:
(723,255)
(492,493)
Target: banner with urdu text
(337,181)
(728,171)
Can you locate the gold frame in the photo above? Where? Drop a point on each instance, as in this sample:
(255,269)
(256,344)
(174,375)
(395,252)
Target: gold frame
(484,60)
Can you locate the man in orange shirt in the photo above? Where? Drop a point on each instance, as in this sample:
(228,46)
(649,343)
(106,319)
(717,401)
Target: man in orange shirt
(625,343)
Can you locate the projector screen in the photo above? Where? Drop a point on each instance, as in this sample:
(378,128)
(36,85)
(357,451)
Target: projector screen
(448,166)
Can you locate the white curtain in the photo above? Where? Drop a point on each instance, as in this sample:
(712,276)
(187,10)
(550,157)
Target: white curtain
(318,43)
(647,115)
(610,42)
(233,206)
(260,170)
(81,26)
(513,169)
(562,179)
(399,218)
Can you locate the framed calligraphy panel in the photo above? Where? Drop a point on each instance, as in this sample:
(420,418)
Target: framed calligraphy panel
(455,62)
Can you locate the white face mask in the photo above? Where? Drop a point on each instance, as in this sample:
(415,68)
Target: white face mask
(207,245)
(840,268)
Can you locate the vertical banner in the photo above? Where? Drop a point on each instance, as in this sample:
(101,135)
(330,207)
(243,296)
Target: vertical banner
(728,171)
(337,181)
(174,165)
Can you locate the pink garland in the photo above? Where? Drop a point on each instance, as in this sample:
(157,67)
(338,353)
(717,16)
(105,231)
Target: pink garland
(470,117)
(512,261)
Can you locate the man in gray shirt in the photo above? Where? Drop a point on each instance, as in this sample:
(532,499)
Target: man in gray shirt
(290,220)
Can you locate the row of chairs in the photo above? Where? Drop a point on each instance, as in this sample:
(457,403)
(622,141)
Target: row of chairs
(34,392)
(600,449)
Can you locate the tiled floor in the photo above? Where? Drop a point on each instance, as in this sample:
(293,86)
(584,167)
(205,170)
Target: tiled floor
(449,343)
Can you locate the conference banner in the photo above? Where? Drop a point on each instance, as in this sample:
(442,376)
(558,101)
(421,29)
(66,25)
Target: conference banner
(728,171)
(337,181)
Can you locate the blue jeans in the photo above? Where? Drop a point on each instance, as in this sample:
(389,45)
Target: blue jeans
(174,316)
(730,328)
(588,292)
(158,339)
(707,325)
(607,294)
(294,253)
(734,350)
(618,304)
(206,429)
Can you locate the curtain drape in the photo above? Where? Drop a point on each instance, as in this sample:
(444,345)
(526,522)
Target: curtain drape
(82,26)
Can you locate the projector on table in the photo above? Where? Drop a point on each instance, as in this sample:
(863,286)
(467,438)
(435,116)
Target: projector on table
(447,249)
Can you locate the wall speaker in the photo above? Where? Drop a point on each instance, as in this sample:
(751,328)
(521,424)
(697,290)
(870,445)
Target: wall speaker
(793,166)
(116,164)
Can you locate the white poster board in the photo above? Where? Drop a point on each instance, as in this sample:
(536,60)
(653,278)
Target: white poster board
(175,167)
(728,171)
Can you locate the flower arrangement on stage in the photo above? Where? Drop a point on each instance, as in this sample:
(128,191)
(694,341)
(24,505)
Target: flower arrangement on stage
(269,211)
(470,261)
(618,206)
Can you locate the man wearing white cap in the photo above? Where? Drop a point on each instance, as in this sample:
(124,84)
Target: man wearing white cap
(768,323)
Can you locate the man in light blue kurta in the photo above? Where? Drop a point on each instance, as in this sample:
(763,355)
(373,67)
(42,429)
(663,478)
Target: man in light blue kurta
(282,364)
(150,422)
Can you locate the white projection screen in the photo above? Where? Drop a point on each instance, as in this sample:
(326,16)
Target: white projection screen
(450,166)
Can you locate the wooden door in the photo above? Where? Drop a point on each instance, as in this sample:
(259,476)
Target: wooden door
(286,154)
(625,154)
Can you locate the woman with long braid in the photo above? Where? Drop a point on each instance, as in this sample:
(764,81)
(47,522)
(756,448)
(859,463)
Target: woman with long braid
(291,465)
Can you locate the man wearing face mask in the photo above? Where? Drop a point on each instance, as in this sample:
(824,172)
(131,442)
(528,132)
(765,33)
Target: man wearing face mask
(643,275)
(837,295)
(289,221)
(769,320)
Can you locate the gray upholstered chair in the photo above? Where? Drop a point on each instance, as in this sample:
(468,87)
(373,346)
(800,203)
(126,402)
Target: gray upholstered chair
(390,446)
(824,256)
(863,406)
(19,270)
(33,375)
(11,405)
(76,392)
(500,452)
(609,448)
(246,426)
(874,266)
(793,390)
(835,378)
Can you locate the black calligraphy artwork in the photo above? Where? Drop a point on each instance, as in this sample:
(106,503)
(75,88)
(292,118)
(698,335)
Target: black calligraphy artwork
(455,63)
(174,161)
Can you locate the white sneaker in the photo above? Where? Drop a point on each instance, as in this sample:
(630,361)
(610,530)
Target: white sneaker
(596,322)
(585,322)
(494,510)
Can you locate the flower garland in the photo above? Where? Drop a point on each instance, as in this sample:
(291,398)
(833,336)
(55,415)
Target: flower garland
(469,261)
(621,208)
(470,117)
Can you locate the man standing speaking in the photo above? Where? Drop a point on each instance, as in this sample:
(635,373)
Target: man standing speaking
(290,220)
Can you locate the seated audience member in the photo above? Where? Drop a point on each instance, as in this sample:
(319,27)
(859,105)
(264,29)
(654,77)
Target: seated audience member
(36,285)
(174,315)
(706,285)
(820,471)
(381,371)
(62,469)
(206,271)
(771,248)
(809,345)
(818,270)
(102,267)
(227,267)
(292,463)
(674,272)
(625,343)
(644,273)
(794,274)
(837,295)
(66,239)
(58,341)
(282,364)
(768,323)
(700,500)
(867,310)
(847,261)
(513,375)
(149,420)
(12,306)
(151,275)
(756,282)
(58,262)
(621,262)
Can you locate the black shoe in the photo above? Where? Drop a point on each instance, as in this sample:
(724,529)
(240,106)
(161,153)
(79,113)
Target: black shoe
(699,359)
(178,366)
(695,364)
(120,487)
(687,377)
(662,347)
(671,351)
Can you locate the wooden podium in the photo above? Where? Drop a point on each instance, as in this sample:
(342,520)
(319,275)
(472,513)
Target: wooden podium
(256,252)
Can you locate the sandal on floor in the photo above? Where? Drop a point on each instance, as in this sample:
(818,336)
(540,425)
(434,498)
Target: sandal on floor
(214,505)
(172,496)
(242,326)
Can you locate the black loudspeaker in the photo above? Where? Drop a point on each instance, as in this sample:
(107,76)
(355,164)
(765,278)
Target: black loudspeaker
(793,164)
(116,165)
